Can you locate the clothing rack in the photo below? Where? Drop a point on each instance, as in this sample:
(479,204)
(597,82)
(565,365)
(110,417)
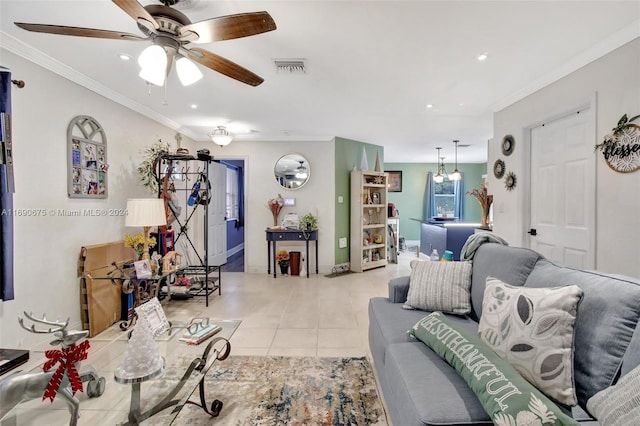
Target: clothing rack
(199,268)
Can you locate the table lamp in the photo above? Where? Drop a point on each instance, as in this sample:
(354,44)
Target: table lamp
(145,213)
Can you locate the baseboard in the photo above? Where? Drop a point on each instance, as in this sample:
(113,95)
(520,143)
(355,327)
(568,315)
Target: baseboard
(235,250)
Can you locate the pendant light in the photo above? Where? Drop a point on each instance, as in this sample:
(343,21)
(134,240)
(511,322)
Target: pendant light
(456,175)
(439,177)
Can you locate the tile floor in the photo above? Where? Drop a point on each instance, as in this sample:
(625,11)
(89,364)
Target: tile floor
(291,316)
(296,316)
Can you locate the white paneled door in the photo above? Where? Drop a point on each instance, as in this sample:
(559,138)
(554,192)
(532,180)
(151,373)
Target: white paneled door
(563,178)
(217,222)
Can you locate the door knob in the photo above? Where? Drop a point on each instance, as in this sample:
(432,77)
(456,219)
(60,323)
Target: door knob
(533,232)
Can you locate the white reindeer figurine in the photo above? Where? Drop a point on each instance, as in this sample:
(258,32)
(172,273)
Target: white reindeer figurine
(65,380)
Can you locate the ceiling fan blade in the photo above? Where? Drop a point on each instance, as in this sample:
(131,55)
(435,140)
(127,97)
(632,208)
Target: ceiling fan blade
(224,66)
(136,11)
(228,27)
(78,31)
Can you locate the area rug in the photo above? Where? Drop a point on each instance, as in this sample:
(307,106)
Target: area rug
(266,391)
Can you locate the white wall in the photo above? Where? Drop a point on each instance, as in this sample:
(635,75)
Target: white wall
(613,81)
(316,196)
(47,248)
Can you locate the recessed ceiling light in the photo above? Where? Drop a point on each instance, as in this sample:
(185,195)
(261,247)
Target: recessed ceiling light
(429,106)
(461,104)
(483,56)
(194,106)
(124,56)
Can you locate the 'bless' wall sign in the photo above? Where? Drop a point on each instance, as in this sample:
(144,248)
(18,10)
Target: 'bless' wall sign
(621,148)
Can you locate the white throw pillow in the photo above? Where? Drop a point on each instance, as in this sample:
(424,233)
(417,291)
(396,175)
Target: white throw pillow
(532,329)
(618,405)
(440,286)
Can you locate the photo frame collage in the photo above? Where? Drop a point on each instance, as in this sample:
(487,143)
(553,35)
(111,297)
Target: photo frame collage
(87,159)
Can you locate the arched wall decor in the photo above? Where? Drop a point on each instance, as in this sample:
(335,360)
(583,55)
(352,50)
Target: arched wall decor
(86,158)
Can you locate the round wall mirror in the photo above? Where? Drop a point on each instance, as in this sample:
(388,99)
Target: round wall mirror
(292,171)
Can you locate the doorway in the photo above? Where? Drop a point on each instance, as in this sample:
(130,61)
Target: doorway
(235,214)
(563,189)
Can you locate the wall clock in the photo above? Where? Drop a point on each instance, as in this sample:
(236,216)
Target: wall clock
(498,169)
(508,145)
(510,181)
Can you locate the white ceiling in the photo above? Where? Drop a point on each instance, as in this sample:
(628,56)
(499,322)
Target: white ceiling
(372,66)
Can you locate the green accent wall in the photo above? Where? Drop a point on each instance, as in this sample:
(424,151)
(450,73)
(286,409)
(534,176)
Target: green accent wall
(348,154)
(409,201)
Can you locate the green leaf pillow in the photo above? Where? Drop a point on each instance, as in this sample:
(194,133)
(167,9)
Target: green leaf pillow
(505,395)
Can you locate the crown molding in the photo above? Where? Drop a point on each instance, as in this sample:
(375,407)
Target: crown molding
(27,52)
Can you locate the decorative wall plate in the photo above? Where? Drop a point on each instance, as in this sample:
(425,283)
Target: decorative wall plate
(508,145)
(510,181)
(498,169)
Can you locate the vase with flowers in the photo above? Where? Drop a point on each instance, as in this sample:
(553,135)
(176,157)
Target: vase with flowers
(275,205)
(485,200)
(282,257)
(136,242)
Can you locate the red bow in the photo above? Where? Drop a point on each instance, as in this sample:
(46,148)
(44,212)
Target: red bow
(67,357)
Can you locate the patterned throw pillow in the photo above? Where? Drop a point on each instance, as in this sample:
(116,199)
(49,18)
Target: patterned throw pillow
(506,397)
(440,286)
(532,329)
(618,405)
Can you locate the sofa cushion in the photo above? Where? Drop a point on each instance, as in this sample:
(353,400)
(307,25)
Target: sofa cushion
(618,405)
(422,389)
(505,395)
(532,329)
(509,264)
(605,323)
(440,286)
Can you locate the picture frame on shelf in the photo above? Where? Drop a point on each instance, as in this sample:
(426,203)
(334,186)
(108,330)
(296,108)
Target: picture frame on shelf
(395,181)
(143,268)
(375,198)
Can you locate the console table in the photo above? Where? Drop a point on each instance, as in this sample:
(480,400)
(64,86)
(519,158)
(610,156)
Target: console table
(273,236)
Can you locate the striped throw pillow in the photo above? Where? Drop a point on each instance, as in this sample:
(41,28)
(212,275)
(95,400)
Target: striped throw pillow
(440,286)
(618,405)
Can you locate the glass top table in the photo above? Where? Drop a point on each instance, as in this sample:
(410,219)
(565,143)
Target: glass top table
(157,401)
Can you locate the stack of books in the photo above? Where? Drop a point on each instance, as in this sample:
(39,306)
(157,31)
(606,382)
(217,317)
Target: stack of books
(201,335)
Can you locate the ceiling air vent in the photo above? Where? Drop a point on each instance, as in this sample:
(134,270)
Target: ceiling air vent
(290,66)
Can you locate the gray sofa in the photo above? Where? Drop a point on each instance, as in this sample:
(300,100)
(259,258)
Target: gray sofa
(420,388)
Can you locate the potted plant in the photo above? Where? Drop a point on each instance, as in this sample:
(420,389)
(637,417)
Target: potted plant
(309,222)
(282,257)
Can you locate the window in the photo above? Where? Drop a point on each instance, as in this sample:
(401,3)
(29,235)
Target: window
(445,198)
(232,194)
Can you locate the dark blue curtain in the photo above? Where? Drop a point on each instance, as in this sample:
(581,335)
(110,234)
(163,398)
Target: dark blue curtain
(6,195)
(459,207)
(428,200)
(240,221)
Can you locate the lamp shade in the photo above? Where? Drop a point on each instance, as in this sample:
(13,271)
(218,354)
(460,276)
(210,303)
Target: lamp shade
(145,212)
(153,64)
(188,72)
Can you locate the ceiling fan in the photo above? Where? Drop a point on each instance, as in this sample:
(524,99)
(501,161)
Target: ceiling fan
(170,31)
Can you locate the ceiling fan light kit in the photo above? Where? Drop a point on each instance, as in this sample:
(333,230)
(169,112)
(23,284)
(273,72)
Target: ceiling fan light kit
(188,72)
(153,64)
(170,31)
(220,136)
